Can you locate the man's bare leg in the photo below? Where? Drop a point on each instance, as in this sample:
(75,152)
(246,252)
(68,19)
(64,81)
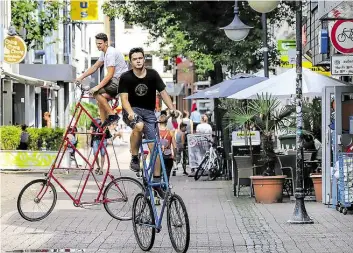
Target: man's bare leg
(103,106)
(102,112)
(102,161)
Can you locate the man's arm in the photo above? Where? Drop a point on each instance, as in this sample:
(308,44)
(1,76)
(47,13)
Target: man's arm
(91,70)
(107,78)
(126,105)
(167,100)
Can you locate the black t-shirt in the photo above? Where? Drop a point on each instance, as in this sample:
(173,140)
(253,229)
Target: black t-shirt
(141,91)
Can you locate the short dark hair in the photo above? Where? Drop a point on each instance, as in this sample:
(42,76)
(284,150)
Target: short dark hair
(136,50)
(182,125)
(164,112)
(24,127)
(102,36)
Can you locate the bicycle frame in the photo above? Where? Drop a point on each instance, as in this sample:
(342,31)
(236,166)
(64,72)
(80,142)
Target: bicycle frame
(79,109)
(147,177)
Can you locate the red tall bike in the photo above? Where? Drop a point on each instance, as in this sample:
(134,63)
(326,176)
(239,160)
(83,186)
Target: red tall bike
(38,198)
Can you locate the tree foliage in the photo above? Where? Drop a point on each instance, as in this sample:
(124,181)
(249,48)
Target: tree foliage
(32,24)
(193,28)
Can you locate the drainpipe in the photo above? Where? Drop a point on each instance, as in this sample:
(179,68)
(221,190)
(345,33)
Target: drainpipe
(66,33)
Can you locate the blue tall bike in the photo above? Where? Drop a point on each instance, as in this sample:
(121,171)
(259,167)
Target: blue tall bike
(145,219)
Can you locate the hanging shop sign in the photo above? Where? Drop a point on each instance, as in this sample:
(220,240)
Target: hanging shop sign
(84,10)
(15,49)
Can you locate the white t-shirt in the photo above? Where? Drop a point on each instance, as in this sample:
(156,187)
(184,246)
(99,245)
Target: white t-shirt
(114,58)
(204,128)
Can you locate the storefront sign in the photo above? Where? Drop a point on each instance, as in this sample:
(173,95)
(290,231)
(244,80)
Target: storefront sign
(342,65)
(239,138)
(15,49)
(342,36)
(197,148)
(287,52)
(84,10)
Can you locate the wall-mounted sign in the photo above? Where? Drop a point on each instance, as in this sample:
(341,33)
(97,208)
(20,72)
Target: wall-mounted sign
(84,10)
(342,65)
(15,49)
(342,36)
(287,50)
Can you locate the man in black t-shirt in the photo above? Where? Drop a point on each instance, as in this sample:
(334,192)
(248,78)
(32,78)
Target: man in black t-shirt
(137,88)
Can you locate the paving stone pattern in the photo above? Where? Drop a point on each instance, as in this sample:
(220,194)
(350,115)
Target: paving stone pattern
(219,223)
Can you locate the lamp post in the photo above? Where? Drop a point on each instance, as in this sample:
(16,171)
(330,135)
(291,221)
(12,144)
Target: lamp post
(237,30)
(300,215)
(264,7)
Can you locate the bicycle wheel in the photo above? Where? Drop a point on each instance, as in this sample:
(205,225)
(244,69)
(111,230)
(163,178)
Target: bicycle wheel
(119,196)
(215,171)
(178,224)
(143,222)
(36,200)
(201,169)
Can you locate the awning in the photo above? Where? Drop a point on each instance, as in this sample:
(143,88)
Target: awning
(175,89)
(30,80)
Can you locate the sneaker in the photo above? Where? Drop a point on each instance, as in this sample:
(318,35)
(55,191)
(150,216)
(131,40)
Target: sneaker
(157,201)
(159,191)
(135,164)
(110,120)
(185,173)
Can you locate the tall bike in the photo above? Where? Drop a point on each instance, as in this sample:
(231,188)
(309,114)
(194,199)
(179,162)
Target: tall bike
(145,218)
(211,162)
(38,198)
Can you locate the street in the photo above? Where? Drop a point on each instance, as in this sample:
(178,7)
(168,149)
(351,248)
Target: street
(219,222)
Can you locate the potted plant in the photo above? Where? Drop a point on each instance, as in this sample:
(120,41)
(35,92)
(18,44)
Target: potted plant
(265,115)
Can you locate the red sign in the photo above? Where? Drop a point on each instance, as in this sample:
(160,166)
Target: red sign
(342,36)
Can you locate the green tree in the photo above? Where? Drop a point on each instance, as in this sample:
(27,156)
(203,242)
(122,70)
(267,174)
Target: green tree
(32,24)
(192,27)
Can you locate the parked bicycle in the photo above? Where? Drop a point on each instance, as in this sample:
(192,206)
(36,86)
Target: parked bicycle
(145,218)
(38,198)
(212,162)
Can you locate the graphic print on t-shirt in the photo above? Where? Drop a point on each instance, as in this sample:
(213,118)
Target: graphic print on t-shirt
(141,89)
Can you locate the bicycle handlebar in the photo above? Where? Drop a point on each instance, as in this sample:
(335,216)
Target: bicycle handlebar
(82,88)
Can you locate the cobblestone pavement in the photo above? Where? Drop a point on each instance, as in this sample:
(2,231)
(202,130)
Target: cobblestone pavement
(219,222)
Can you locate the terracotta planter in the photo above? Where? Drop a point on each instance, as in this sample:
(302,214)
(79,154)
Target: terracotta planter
(268,189)
(317,181)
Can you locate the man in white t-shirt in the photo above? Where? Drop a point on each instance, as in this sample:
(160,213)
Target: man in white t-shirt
(204,127)
(114,62)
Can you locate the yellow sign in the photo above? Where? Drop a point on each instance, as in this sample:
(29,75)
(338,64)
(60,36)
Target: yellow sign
(84,10)
(15,49)
(306,64)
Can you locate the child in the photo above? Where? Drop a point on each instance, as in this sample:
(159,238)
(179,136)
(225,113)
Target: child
(180,139)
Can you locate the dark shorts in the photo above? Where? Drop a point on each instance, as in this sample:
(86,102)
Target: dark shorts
(147,117)
(194,125)
(111,88)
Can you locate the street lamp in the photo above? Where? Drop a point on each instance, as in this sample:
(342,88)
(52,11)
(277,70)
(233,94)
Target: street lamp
(300,216)
(237,30)
(263,6)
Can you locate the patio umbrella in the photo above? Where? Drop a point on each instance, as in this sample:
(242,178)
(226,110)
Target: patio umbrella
(228,87)
(284,85)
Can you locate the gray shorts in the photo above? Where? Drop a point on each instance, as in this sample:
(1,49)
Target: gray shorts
(147,117)
(111,88)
